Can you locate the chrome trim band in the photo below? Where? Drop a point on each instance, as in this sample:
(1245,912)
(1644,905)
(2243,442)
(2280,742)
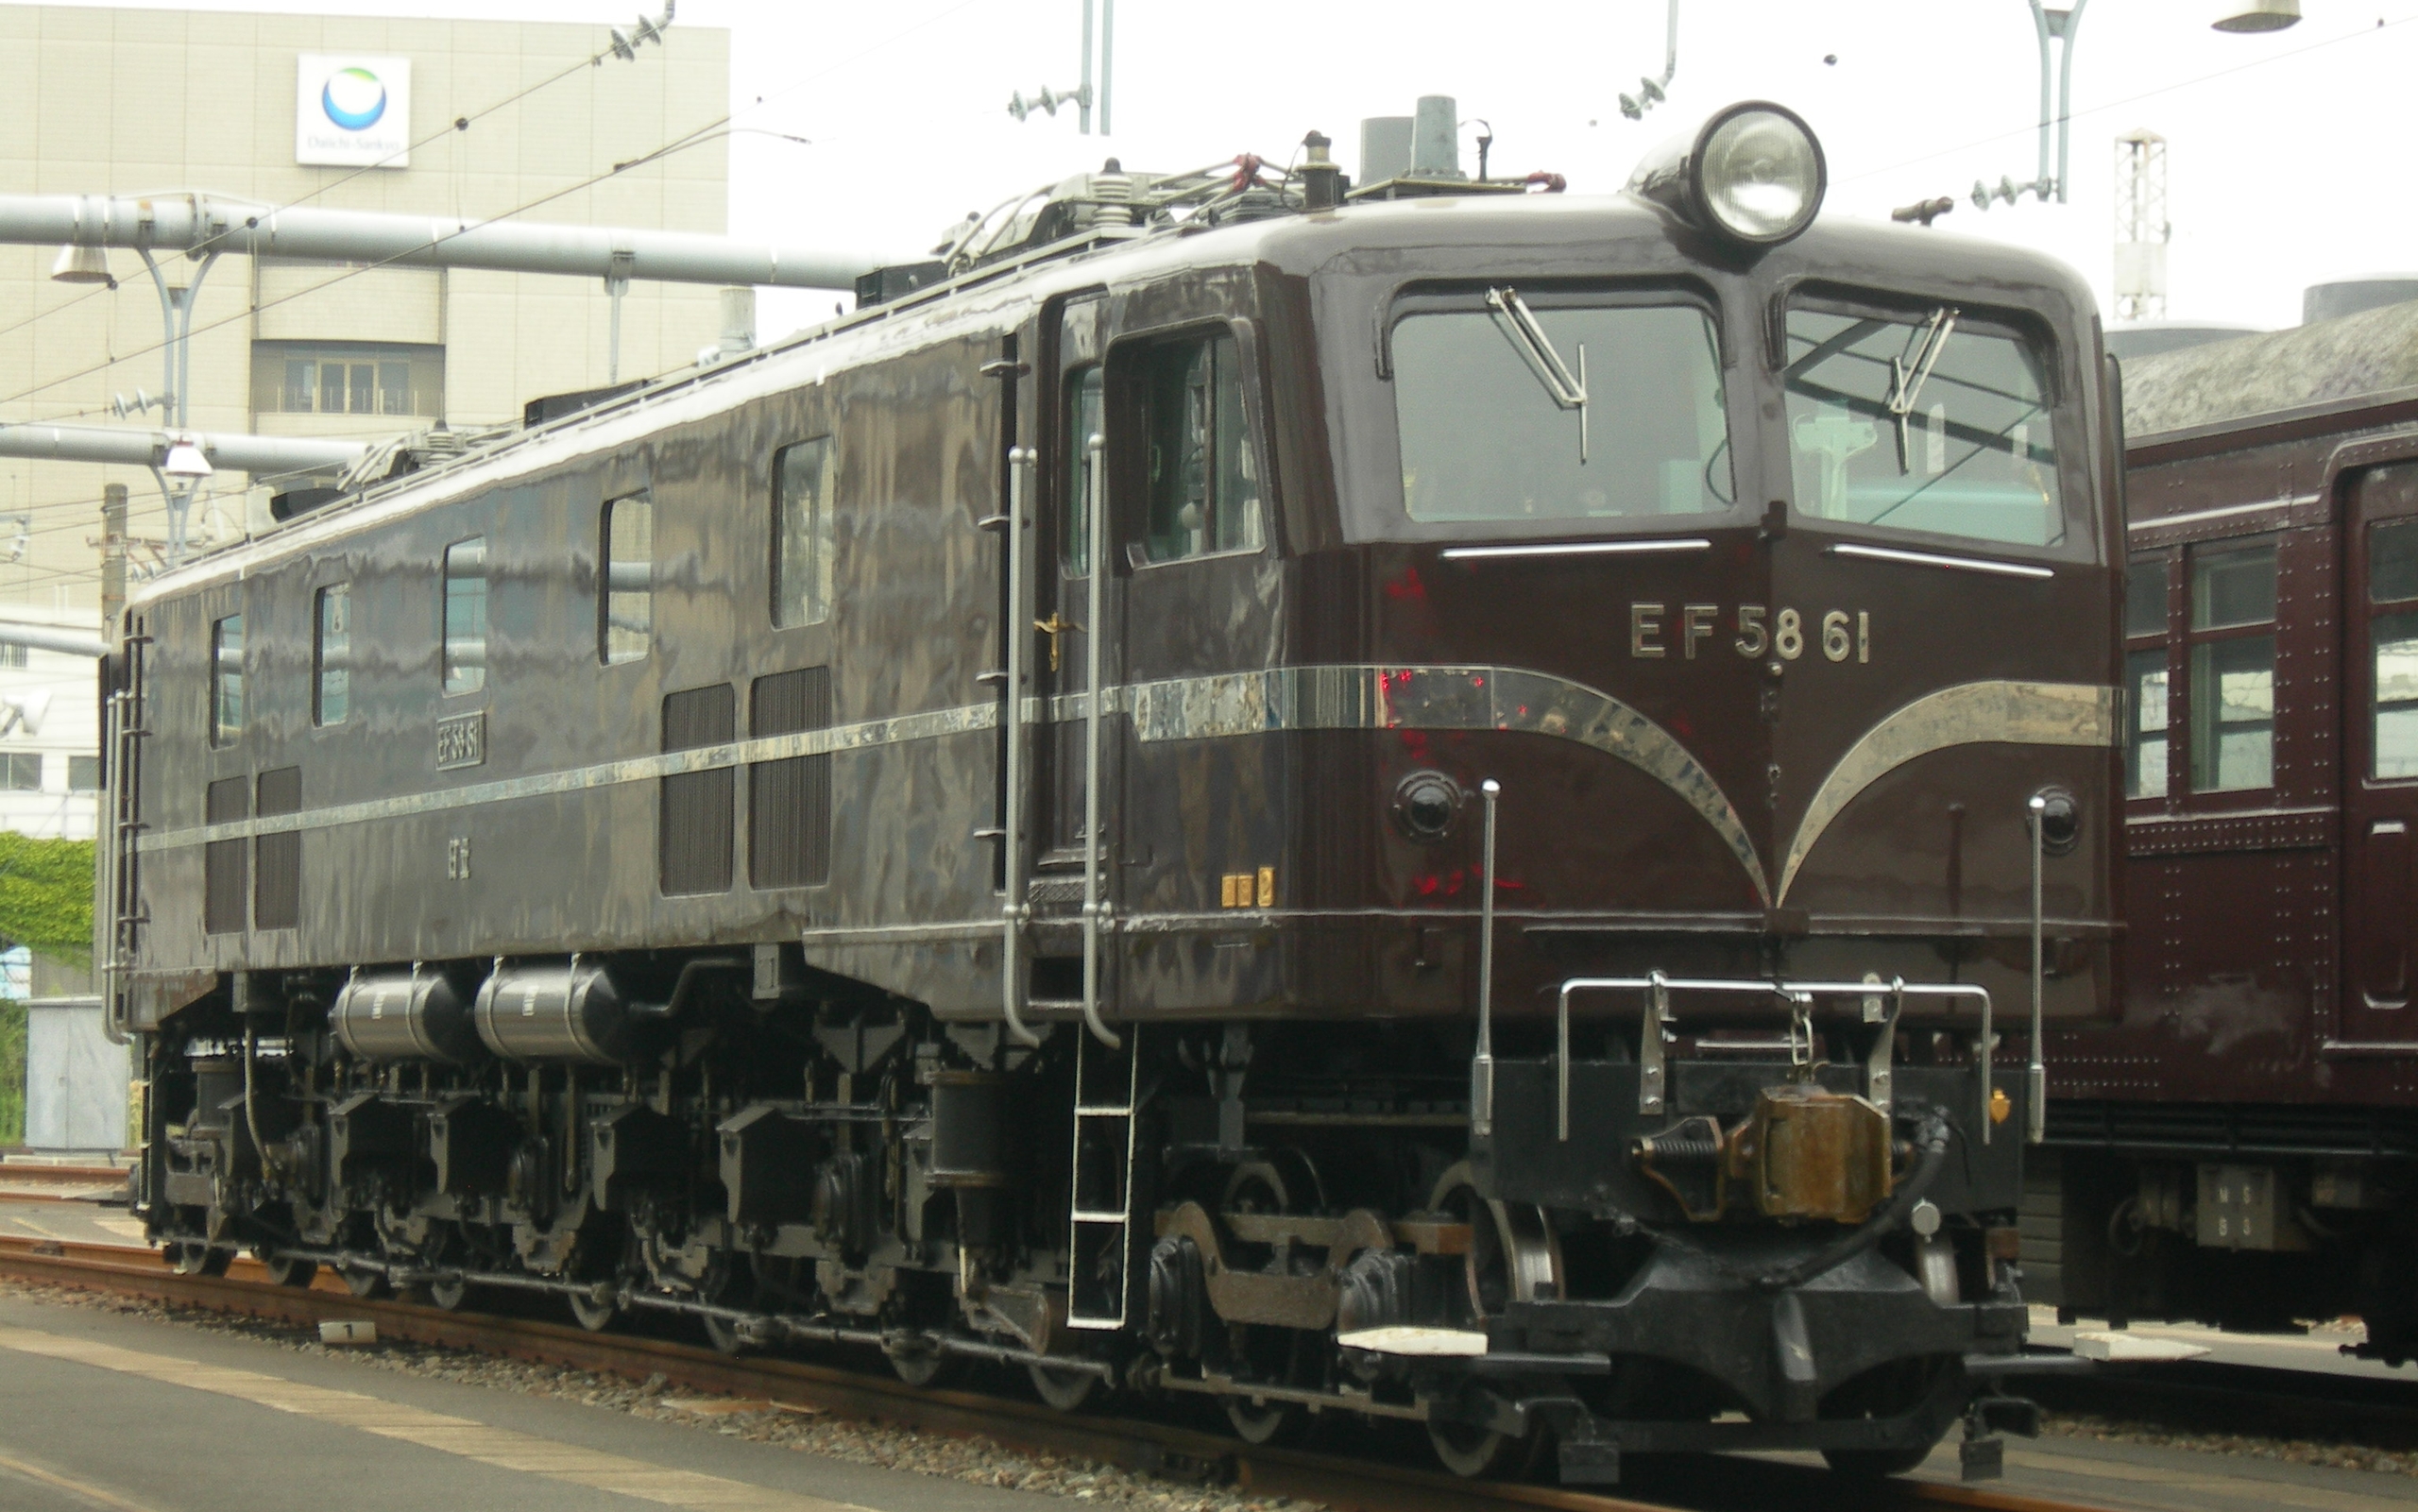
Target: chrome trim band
(1966,564)
(1469,554)
(2078,714)
(2201,517)
(1441,698)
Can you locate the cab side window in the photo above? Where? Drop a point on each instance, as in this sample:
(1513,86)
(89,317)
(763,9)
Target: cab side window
(225,680)
(2145,677)
(625,632)
(1084,421)
(801,534)
(2392,600)
(1202,478)
(466,616)
(2233,667)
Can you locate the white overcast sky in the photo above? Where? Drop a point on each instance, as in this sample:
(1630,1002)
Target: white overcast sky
(2282,144)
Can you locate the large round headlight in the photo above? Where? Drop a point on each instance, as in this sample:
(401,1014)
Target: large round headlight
(1753,174)
(1759,174)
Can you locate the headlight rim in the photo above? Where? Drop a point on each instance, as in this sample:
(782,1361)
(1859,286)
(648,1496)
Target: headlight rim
(1700,200)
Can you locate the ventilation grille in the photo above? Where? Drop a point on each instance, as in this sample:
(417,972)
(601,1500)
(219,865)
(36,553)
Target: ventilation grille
(694,838)
(228,802)
(788,802)
(277,859)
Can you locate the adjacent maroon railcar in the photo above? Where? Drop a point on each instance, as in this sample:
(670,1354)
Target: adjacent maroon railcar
(2238,1145)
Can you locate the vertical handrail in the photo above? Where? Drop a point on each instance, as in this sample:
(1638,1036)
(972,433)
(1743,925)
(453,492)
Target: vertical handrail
(2035,1076)
(1014,905)
(1482,1066)
(1094,508)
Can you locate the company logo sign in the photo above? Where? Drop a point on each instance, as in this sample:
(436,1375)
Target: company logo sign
(351,111)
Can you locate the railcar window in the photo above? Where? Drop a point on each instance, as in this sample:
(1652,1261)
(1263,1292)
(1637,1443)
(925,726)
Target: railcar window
(226,680)
(2145,676)
(801,534)
(1084,421)
(1204,477)
(625,623)
(1483,440)
(2233,668)
(2392,631)
(1929,423)
(332,655)
(466,616)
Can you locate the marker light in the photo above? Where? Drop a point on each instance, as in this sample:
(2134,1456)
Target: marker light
(1753,173)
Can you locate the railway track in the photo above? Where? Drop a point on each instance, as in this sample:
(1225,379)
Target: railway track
(1348,1483)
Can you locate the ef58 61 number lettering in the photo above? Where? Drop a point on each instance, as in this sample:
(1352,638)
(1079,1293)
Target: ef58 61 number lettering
(1751,630)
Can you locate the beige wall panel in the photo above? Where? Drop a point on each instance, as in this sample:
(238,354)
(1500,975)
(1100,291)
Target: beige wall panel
(304,302)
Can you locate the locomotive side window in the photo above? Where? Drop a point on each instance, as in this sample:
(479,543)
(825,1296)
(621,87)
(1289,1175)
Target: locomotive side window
(1937,423)
(2145,676)
(2392,588)
(625,622)
(466,616)
(802,536)
(2233,668)
(332,655)
(1204,479)
(1084,421)
(226,680)
(1635,424)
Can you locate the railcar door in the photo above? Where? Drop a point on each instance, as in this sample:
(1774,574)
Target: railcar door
(1070,438)
(2380,752)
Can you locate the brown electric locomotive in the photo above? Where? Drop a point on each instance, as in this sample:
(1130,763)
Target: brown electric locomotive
(1435,802)
(2241,1145)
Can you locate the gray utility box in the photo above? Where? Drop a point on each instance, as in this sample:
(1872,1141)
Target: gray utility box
(75,1080)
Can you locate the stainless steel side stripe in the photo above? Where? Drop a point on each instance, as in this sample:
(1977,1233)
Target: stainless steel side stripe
(1185,709)
(1962,563)
(1473,553)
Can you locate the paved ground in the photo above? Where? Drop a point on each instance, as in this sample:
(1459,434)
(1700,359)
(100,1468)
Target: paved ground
(78,1222)
(98,1410)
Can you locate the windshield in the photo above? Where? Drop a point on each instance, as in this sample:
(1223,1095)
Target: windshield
(1542,409)
(1932,422)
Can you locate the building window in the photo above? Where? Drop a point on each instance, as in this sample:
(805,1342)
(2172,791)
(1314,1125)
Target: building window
(84,773)
(801,534)
(375,378)
(2145,677)
(466,616)
(2233,668)
(627,630)
(226,680)
(1202,478)
(21,772)
(332,655)
(12,656)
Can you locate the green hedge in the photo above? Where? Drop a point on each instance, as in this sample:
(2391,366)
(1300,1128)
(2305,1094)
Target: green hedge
(46,906)
(46,895)
(12,1073)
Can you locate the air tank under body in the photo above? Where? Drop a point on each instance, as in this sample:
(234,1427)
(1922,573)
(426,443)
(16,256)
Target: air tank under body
(558,1012)
(405,1015)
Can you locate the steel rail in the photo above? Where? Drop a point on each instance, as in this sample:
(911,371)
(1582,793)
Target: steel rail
(1348,1484)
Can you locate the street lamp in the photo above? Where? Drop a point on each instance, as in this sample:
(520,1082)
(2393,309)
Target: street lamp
(2260,15)
(81,264)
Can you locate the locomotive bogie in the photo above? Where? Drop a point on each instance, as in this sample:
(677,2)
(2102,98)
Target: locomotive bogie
(1415,927)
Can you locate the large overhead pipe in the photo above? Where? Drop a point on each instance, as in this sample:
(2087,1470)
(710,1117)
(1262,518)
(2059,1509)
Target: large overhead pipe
(50,637)
(211,223)
(152,449)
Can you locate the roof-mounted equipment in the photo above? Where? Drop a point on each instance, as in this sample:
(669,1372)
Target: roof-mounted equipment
(1753,174)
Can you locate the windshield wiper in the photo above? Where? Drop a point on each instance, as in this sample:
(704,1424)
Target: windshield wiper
(1906,380)
(1519,326)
